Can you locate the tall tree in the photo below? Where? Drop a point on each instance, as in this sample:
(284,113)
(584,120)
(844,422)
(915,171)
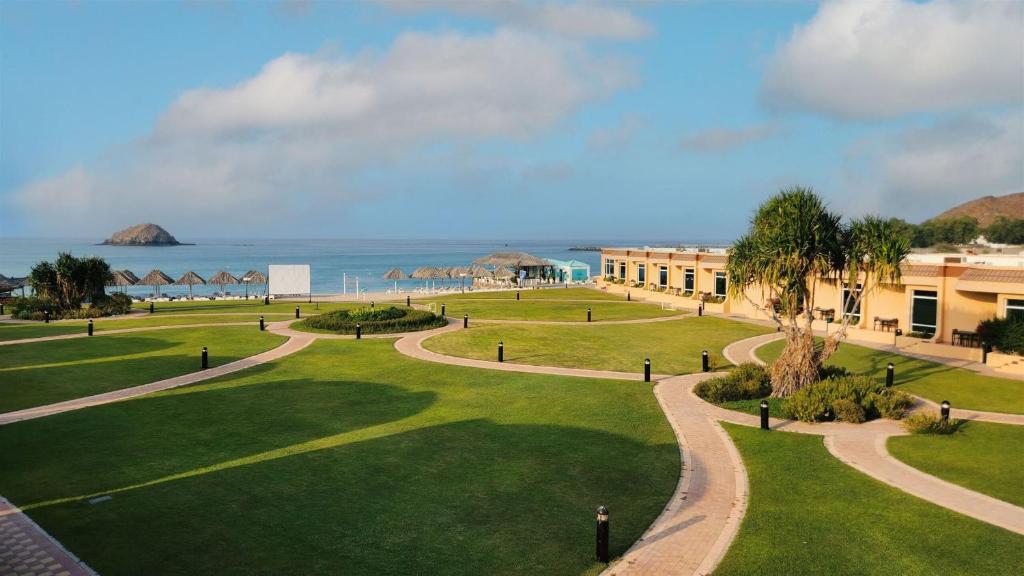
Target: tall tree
(793,244)
(68,281)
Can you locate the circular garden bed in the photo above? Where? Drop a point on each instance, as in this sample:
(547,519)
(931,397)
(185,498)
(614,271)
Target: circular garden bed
(390,320)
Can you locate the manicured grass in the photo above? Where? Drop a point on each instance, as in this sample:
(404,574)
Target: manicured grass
(539,294)
(982,456)
(39,330)
(674,347)
(45,372)
(550,310)
(811,514)
(963,388)
(348,458)
(245,306)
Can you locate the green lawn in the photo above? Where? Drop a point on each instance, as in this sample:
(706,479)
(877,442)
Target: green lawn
(38,330)
(982,456)
(244,306)
(348,458)
(45,372)
(963,388)
(811,514)
(674,347)
(551,310)
(581,294)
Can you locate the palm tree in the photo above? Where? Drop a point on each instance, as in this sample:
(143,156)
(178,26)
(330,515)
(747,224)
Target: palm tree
(792,245)
(68,280)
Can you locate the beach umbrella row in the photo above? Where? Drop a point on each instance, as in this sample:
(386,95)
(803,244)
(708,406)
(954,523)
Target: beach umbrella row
(157,278)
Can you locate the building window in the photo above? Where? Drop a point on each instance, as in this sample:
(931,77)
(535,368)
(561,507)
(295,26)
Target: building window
(851,306)
(663,276)
(1015,309)
(924,311)
(622,270)
(720,284)
(641,273)
(609,267)
(688,276)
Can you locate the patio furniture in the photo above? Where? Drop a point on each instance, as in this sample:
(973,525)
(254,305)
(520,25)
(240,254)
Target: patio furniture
(966,339)
(826,314)
(887,324)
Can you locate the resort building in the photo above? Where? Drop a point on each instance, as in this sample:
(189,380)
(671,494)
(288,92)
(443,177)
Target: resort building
(571,271)
(942,298)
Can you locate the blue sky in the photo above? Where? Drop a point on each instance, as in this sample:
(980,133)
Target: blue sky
(498,120)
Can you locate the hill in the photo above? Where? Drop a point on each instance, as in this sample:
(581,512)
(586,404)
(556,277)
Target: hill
(142,235)
(988,208)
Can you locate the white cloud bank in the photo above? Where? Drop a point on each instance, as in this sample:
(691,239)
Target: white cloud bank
(288,140)
(867,59)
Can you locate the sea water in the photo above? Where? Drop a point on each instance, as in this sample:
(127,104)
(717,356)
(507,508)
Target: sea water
(335,265)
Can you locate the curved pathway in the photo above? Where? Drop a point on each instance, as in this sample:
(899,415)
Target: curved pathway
(84,334)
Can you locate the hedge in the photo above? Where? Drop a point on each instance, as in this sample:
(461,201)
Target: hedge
(389,320)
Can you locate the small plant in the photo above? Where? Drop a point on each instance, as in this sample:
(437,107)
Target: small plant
(846,410)
(923,423)
(747,381)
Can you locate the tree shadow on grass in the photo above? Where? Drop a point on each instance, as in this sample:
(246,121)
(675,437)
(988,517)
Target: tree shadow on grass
(469,497)
(129,443)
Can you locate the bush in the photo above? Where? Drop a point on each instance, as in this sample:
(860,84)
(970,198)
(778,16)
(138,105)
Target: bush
(748,381)
(1005,334)
(930,424)
(29,304)
(374,321)
(825,400)
(112,305)
(846,410)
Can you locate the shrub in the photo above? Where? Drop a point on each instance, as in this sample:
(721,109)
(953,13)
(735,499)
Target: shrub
(1006,334)
(847,410)
(374,321)
(29,304)
(748,381)
(825,399)
(111,305)
(930,424)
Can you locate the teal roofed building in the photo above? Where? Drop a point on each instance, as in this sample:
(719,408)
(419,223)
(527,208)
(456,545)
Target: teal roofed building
(570,270)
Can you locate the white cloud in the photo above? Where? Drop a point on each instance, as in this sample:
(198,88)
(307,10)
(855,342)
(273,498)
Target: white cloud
(924,171)
(717,140)
(865,59)
(289,141)
(579,20)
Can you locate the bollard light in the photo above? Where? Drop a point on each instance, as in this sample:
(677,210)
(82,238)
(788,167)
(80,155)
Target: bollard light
(261,324)
(647,369)
(371,304)
(627,296)
(501,351)
(90,326)
(46,317)
(588,313)
(442,310)
(890,375)
(602,535)
(700,309)
(359,331)
(704,362)
(296,311)
(408,301)
(465,320)
(266,300)
(944,410)
(206,358)
(764,414)
(517,294)
(151,307)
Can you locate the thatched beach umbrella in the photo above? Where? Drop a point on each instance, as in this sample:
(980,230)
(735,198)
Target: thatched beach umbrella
(122,279)
(396,275)
(222,278)
(253,277)
(514,259)
(156,279)
(189,279)
(504,273)
(480,272)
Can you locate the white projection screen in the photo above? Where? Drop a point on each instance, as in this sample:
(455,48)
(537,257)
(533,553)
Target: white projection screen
(289,279)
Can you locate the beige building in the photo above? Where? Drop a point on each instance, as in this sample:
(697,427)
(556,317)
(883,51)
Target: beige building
(942,299)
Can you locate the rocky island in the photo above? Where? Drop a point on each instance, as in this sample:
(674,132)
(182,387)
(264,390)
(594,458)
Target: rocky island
(142,235)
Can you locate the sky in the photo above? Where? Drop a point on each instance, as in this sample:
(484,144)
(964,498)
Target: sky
(473,119)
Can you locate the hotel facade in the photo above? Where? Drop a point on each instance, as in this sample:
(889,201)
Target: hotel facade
(941,300)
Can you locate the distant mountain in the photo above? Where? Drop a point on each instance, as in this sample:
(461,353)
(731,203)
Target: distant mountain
(988,208)
(142,235)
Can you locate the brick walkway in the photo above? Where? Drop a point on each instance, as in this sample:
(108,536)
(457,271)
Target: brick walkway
(26,550)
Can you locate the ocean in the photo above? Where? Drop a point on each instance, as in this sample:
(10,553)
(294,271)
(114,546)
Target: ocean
(329,260)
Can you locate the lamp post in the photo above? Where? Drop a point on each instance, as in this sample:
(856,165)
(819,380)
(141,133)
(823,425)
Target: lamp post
(944,410)
(602,535)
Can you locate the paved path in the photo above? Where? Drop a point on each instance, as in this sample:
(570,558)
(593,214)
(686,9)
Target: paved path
(25,549)
(84,334)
